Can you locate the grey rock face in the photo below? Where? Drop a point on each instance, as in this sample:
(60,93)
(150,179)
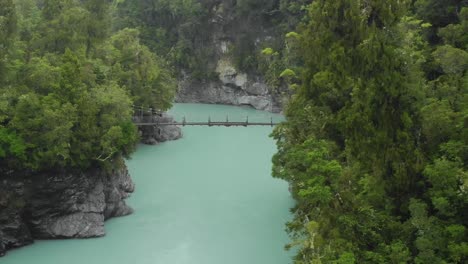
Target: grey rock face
(118,187)
(77,225)
(232,86)
(254,94)
(13,230)
(168,133)
(153,135)
(61,205)
(257,88)
(258,102)
(228,75)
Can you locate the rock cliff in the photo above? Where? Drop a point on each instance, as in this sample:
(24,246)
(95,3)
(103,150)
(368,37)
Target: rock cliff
(153,135)
(232,88)
(60,204)
(228,37)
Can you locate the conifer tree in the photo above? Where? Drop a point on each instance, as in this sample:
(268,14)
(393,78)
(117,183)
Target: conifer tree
(350,145)
(375,154)
(7,33)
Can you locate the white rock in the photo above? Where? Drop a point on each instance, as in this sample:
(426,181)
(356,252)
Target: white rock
(241,79)
(258,102)
(257,89)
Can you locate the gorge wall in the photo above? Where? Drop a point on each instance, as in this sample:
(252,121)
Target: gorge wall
(233,40)
(61,204)
(69,204)
(215,47)
(232,87)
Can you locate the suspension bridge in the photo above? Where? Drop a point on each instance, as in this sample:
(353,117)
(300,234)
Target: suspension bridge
(149,117)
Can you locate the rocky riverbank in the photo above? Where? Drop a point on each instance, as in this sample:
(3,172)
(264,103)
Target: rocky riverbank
(152,135)
(61,204)
(232,88)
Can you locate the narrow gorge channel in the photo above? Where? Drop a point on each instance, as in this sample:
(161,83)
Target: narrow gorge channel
(207,198)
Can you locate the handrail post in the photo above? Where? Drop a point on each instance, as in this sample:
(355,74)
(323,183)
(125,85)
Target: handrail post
(271,121)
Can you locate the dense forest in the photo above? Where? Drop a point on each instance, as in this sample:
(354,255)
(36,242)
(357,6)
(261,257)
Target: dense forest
(183,32)
(71,70)
(68,82)
(375,143)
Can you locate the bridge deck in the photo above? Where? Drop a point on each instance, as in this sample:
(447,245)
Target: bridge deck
(226,124)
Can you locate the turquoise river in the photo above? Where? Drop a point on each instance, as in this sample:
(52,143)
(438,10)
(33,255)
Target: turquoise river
(208,198)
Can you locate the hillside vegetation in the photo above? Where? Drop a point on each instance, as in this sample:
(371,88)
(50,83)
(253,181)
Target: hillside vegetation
(68,83)
(375,143)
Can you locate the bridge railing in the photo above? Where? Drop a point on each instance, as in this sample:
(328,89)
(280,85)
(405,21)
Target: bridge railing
(148,117)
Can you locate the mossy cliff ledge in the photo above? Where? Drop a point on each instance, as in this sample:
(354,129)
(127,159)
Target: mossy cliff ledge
(61,204)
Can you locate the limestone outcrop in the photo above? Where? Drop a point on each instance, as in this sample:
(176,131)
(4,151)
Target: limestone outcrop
(227,84)
(232,88)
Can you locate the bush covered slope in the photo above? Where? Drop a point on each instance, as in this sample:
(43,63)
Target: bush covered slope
(375,143)
(68,83)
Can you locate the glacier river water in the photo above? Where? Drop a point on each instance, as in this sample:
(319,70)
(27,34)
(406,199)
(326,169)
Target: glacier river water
(208,198)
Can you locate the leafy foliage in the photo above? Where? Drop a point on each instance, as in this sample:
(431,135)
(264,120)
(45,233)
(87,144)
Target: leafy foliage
(7,31)
(374,146)
(69,85)
(183,31)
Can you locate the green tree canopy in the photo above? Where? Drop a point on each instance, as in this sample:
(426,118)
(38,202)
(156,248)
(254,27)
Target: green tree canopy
(67,101)
(374,146)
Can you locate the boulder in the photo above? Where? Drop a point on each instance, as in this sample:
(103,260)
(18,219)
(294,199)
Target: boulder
(168,133)
(257,102)
(153,135)
(241,80)
(257,88)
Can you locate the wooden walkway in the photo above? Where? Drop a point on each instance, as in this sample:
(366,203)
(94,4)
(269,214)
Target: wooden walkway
(148,114)
(210,124)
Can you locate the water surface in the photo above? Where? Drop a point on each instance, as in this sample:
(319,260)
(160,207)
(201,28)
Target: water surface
(205,199)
